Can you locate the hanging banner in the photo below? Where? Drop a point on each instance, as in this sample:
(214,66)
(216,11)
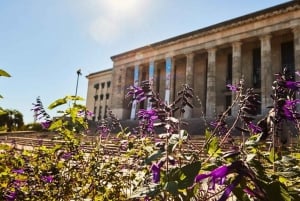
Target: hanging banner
(168,79)
(136,82)
(151,80)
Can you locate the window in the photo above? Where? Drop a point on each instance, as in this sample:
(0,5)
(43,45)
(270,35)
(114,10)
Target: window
(101,97)
(96,86)
(105,111)
(95,111)
(158,80)
(99,115)
(287,57)
(102,85)
(228,101)
(229,69)
(107,96)
(256,66)
(108,84)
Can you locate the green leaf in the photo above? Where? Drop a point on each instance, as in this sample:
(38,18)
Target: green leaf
(213,148)
(172,187)
(277,191)
(240,194)
(273,156)
(58,102)
(188,174)
(153,157)
(4,73)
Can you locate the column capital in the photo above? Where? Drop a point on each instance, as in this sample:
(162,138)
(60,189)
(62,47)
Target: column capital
(169,55)
(236,44)
(189,54)
(265,37)
(296,31)
(211,50)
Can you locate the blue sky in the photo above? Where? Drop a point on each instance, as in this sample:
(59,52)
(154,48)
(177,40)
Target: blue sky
(44,42)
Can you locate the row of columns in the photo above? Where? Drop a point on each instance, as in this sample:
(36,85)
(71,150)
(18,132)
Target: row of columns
(266,74)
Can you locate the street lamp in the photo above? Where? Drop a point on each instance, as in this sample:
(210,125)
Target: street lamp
(78,73)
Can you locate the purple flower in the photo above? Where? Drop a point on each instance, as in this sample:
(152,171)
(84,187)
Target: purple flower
(155,168)
(254,129)
(46,124)
(47,179)
(11,196)
(232,87)
(148,117)
(249,191)
(137,93)
(103,130)
(292,85)
(289,109)
(229,188)
(217,176)
(66,156)
(18,171)
(89,113)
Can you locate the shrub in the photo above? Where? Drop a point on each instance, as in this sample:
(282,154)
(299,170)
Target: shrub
(147,165)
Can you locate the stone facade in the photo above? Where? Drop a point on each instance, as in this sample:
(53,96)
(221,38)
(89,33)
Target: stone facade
(252,47)
(99,93)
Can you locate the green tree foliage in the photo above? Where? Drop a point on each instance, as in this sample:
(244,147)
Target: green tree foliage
(5,74)
(11,119)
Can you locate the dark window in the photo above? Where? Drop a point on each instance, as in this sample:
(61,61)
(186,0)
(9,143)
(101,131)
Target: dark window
(229,69)
(144,76)
(105,111)
(95,110)
(287,57)
(256,62)
(101,97)
(107,96)
(108,84)
(158,80)
(100,111)
(228,103)
(102,85)
(96,86)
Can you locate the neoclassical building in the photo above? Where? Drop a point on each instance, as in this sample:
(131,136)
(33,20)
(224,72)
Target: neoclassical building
(252,47)
(99,93)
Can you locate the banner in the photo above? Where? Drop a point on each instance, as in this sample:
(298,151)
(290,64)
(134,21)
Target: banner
(168,79)
(151,80)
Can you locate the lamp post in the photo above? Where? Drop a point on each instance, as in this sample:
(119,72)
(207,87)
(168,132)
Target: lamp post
(78,73)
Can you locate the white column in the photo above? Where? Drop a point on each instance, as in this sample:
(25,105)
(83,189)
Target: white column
(151,80)
(136,82)
(266,73)
(236,71)
(296,32)
(211,84)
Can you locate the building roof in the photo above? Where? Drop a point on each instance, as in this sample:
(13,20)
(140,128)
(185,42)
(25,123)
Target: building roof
(228,23)
(98,72)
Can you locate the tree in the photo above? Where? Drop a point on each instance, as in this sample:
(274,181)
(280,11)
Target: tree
(12,119)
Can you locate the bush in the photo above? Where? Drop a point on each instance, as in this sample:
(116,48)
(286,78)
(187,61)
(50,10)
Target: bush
(145,165)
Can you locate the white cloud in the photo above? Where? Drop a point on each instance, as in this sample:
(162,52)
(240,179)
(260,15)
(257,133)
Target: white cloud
(104,30)
(109,19)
